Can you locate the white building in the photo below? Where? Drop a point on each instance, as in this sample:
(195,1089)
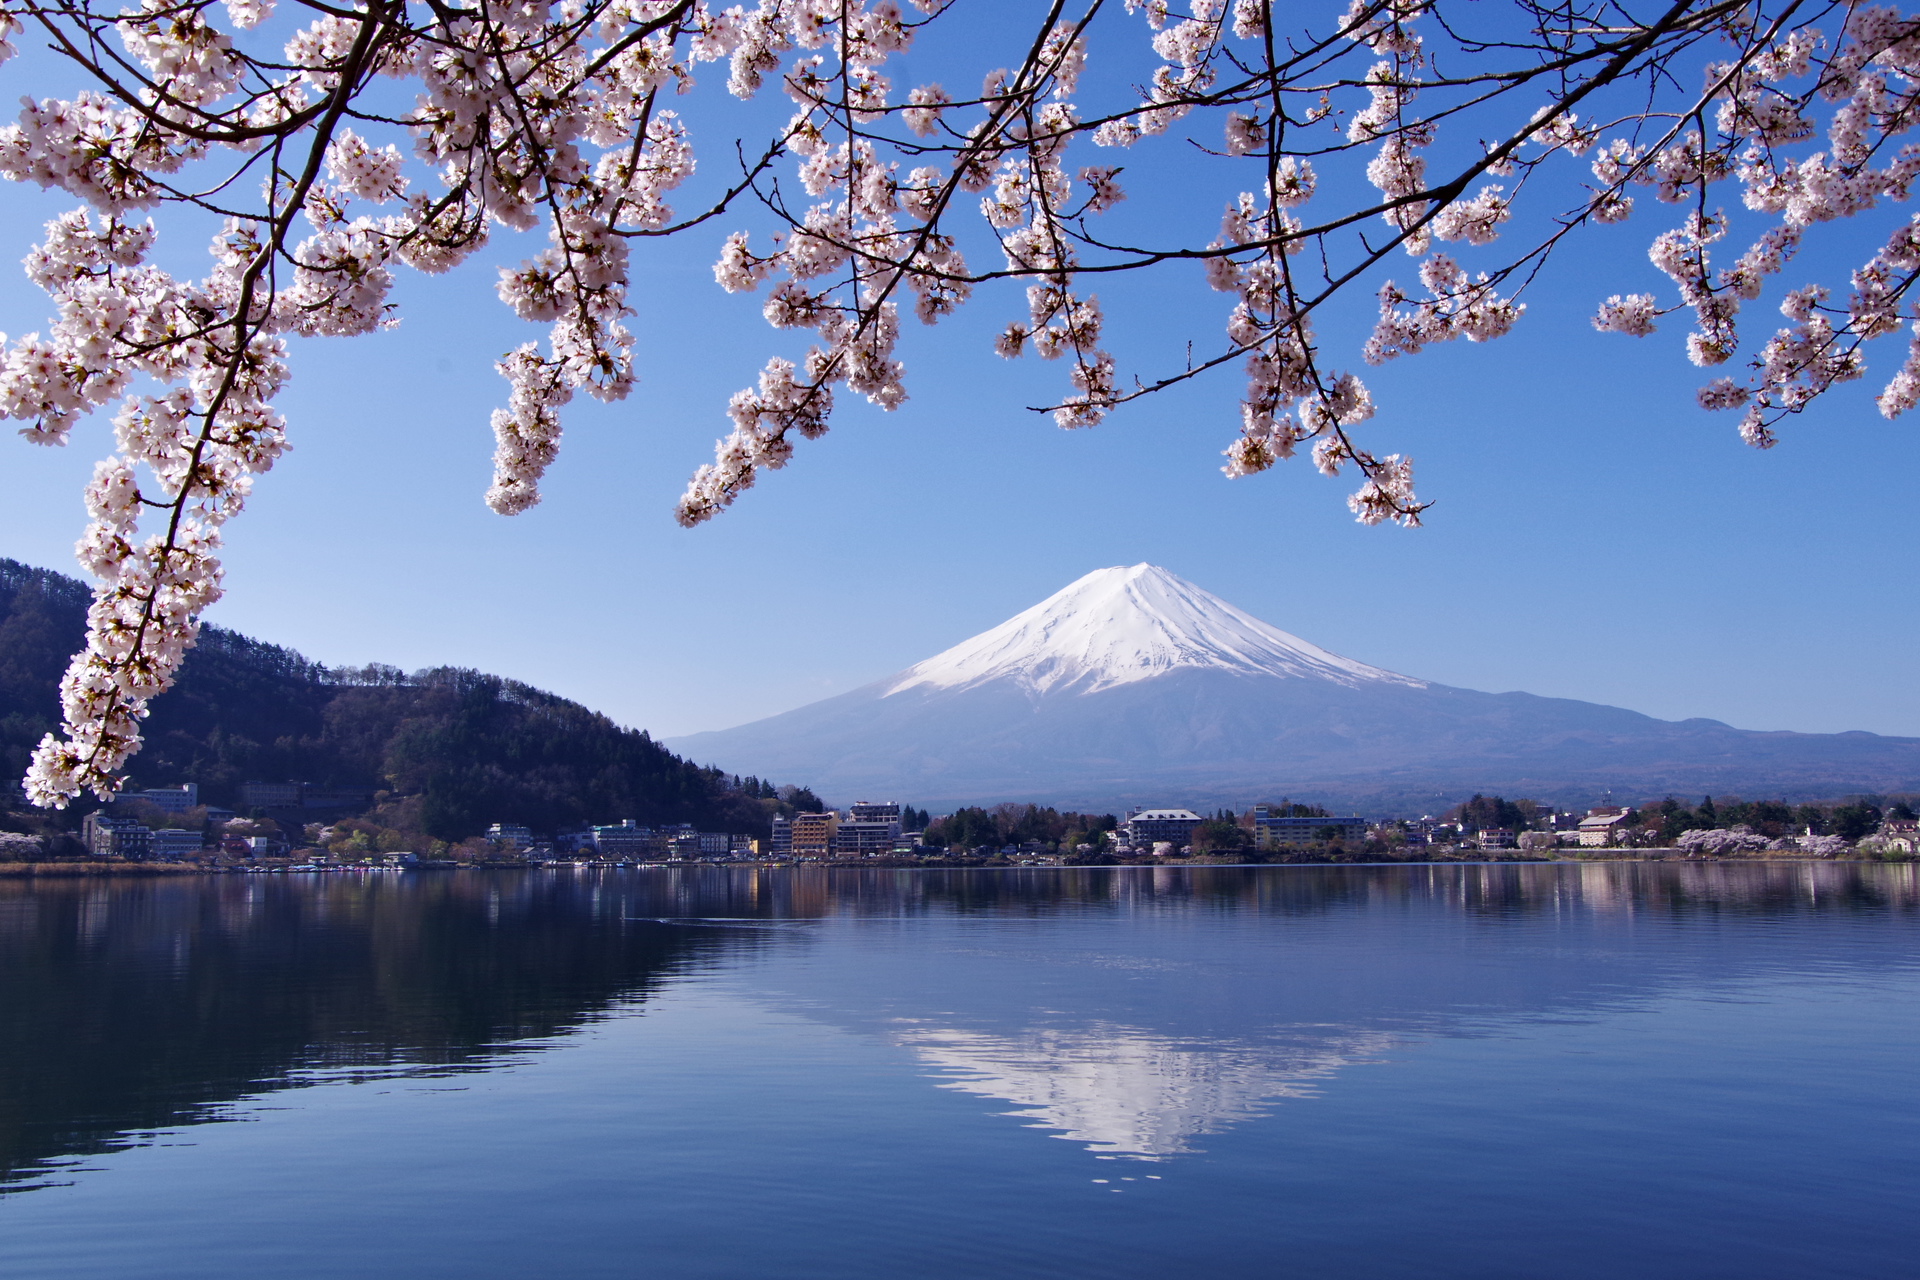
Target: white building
(1274,831)
(1147,827)
(1601,828)
(168,799)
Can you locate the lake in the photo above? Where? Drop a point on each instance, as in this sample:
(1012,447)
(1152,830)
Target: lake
(1569,1070)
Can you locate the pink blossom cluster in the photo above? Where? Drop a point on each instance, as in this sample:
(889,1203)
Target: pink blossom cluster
(201,442)
(1767,104)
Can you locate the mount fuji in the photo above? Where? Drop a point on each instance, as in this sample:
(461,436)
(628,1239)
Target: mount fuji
(1134,686)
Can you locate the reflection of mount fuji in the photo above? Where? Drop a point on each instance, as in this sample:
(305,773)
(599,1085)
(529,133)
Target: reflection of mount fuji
(1128,1092)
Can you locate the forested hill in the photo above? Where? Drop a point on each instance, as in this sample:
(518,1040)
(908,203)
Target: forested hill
(474,748)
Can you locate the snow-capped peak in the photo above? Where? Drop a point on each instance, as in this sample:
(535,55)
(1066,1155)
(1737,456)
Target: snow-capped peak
(1119,625)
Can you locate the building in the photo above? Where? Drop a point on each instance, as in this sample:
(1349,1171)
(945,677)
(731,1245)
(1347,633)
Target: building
(628,840)
(743,846)
(865,839)
(270,795)
(780,843)
(1898,836)
(1274,831)
(1601,828)
(172,842)
(356,798)
(1496,838)
(168,799)
(869,830)
(511,833)
(1147,827)
(813,834)
(107,837)
(683,841)
(303,795)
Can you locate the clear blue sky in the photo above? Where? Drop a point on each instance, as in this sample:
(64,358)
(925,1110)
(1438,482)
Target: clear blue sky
(1595,535)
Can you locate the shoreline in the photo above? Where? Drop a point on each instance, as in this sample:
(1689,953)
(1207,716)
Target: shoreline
(165,870)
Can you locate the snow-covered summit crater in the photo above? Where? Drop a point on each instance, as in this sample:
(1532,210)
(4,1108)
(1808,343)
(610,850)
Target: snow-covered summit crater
(1125,624)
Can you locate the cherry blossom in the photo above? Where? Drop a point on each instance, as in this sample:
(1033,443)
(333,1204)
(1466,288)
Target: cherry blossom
(321,152)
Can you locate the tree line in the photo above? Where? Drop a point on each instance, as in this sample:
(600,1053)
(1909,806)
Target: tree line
(1015,824)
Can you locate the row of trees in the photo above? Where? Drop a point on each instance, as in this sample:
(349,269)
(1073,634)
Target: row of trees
(1666,820)
(1015,824)
(1851,819)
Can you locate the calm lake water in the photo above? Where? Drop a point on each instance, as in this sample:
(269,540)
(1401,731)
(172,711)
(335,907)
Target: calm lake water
(1601,1070)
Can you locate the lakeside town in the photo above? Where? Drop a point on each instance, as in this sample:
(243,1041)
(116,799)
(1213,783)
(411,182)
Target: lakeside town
(298,826)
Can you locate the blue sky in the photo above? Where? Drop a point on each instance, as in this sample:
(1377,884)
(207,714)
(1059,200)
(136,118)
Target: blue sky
(1595,535)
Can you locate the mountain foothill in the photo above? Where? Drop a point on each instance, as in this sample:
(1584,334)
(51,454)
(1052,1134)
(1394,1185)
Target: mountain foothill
(447,751)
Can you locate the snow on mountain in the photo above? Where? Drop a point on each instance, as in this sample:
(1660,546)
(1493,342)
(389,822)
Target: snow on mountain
(1133,686)
(1120,625)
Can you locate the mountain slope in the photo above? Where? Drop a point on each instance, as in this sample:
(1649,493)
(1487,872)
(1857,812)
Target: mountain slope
(478,749)
(1133,686)
(1116,626)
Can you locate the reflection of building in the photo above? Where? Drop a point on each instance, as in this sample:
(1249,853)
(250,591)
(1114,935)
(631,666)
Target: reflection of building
(1272,831)
(813,834)
(1126,1091)
(1148,827)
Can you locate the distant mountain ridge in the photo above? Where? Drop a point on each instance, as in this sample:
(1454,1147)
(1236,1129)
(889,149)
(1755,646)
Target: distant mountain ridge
(1134,686)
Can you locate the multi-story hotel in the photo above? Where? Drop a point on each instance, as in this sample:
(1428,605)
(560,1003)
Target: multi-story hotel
(813,834)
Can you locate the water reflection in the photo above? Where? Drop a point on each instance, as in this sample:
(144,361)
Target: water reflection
(134,1005)
(1128,1009)
(1125,1091)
